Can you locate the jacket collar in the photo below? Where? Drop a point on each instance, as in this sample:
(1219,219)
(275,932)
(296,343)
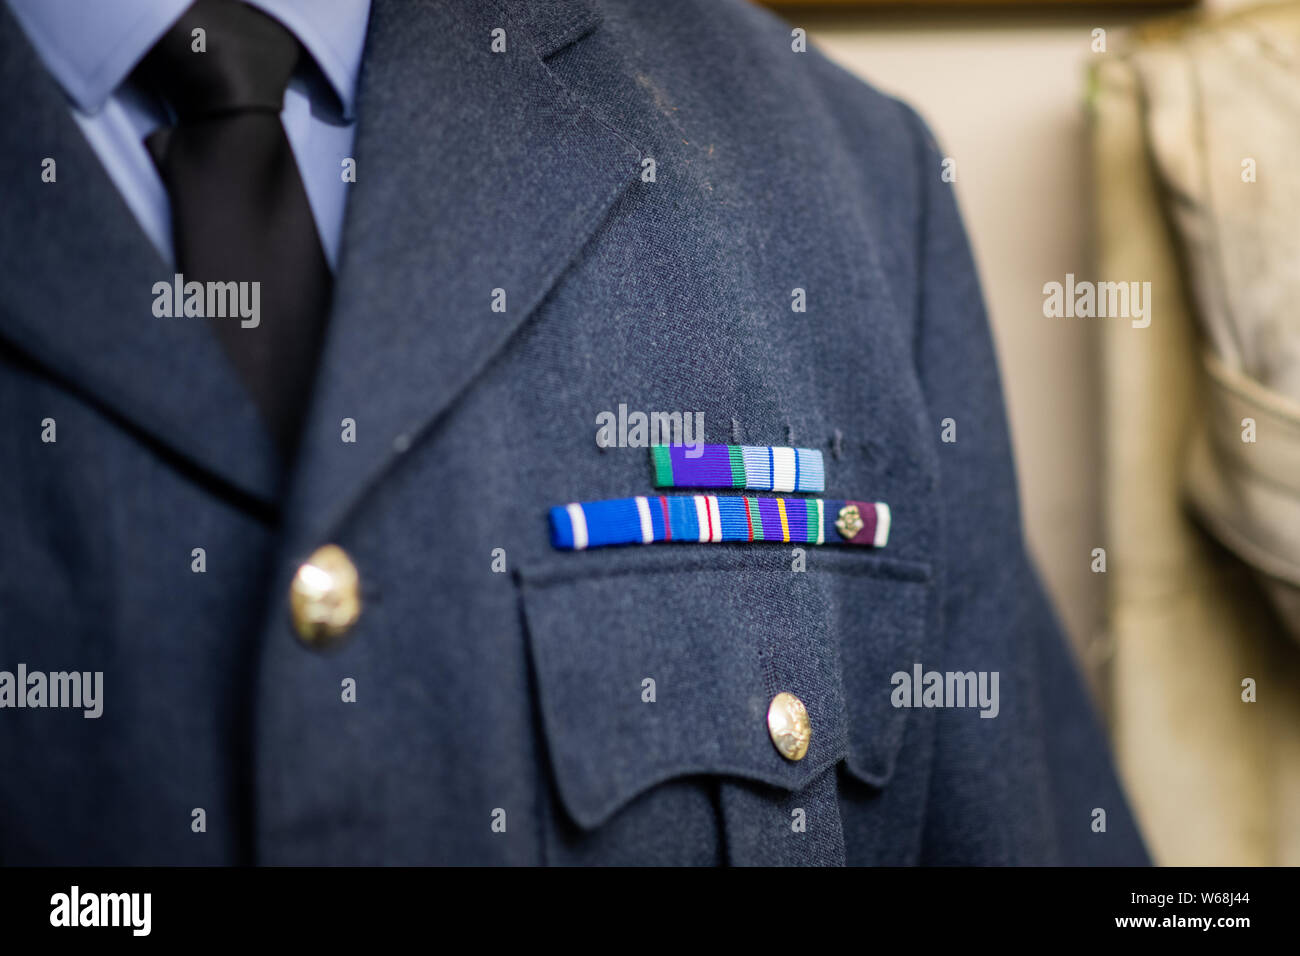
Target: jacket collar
(476,171)
(552,25)
(76,295)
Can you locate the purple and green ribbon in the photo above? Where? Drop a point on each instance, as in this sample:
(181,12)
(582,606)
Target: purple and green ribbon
(753,467)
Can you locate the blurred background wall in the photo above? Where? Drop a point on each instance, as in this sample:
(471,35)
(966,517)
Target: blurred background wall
(1004,91)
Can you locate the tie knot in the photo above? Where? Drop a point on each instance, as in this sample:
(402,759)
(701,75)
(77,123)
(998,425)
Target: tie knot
(244,61)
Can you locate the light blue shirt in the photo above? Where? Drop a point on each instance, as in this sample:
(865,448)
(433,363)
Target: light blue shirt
(91,48)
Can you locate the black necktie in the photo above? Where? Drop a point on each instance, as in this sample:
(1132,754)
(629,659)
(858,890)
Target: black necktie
(239,209)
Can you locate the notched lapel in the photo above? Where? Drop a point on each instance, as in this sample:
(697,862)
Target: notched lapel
(476,171)
(76,292)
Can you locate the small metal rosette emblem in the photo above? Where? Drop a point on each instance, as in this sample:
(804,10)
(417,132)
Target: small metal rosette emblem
(849,522)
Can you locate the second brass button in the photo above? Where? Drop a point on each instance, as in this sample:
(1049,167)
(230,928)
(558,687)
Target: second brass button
(789,726)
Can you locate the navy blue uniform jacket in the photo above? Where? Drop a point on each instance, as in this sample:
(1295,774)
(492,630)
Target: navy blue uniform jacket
(516,698)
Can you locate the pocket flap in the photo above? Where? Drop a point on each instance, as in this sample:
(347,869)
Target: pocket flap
(719,635)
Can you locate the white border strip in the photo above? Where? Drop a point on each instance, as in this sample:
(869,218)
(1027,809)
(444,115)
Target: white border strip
(882,525)
(782,469)
(647,527)
(579,522)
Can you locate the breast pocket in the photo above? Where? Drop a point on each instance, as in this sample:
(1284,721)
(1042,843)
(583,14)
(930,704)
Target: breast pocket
(655,672)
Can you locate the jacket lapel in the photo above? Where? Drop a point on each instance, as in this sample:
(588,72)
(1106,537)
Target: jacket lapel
(76,293)
(475,171)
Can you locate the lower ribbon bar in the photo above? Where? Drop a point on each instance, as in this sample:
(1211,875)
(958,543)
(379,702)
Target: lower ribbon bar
(697,519)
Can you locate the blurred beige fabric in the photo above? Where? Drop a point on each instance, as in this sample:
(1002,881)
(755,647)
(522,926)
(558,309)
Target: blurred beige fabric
(1214,779)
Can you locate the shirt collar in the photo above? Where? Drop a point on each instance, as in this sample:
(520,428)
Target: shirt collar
(90,48)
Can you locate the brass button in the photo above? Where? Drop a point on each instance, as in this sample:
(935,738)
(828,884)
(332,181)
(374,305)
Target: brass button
(325,597)
(788,725)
